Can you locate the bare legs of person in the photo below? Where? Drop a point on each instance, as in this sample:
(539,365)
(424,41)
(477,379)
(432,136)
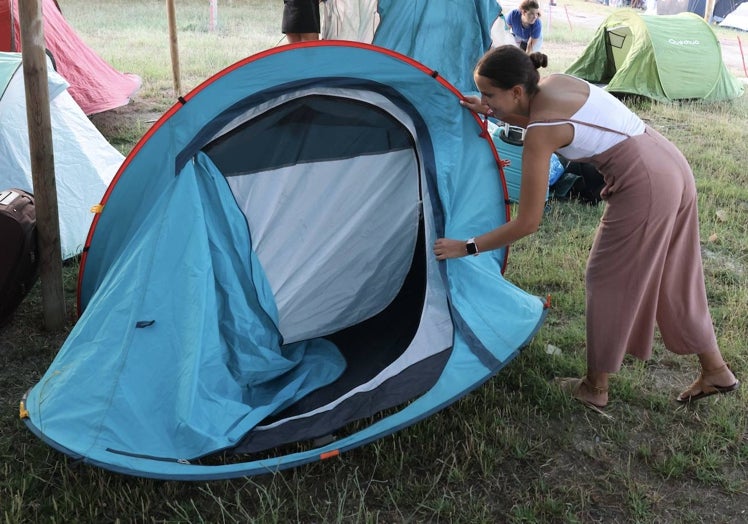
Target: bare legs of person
(293,38)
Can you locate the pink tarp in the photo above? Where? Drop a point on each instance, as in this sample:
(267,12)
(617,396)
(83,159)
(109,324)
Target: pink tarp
(94,84)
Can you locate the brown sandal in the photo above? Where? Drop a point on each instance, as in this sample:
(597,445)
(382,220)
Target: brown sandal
(699,389)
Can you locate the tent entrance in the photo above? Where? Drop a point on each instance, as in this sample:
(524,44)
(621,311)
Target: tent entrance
(332,190)
(619,44)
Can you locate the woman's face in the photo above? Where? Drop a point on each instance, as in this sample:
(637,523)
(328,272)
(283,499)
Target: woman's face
(529,16)
(502,102)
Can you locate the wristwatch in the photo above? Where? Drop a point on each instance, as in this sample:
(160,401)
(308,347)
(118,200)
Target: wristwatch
(471,247)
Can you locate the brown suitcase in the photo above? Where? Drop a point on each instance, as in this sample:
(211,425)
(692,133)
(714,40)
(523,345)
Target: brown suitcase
(19,261)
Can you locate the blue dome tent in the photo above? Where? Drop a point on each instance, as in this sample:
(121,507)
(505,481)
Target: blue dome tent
(448,36)
(260,274)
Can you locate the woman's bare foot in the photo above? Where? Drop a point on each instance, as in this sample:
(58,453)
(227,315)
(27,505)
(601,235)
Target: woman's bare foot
(595,397)
(587,392)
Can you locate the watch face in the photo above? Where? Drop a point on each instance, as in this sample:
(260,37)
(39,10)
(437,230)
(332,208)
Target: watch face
(472,249)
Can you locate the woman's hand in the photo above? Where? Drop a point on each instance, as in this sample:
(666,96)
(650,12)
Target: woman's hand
(445,248)
(473,103)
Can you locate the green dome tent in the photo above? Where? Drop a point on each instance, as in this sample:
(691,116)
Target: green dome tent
(666,58)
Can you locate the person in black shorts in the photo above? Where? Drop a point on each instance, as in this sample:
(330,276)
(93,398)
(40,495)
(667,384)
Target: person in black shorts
(300,20)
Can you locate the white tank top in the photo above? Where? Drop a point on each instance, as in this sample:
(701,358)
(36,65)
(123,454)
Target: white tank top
(602,122)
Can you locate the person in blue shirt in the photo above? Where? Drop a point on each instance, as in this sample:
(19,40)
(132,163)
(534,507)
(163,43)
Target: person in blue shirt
(526,26)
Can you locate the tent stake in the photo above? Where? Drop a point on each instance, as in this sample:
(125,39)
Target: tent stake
(41,151)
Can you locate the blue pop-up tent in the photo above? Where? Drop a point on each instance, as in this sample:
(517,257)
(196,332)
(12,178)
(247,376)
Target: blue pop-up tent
(448,36)
(261,274)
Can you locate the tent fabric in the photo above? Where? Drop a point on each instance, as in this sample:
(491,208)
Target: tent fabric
(720,8)
(94,84)
(85,163)
(737,19)
(198,251)
(448,36)
(666,58)
(253,308)
(320,306)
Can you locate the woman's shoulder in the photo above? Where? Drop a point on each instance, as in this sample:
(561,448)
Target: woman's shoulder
(560,96)
(565,81)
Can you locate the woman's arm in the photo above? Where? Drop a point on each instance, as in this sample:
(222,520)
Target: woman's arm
(535,41)
(531,42)
(540,143)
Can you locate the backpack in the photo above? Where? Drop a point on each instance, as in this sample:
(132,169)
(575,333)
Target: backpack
(580,181)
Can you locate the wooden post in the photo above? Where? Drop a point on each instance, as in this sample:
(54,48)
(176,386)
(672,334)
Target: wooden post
(13,45)
(709,11)
(42,162)
(173,46)
(213,15)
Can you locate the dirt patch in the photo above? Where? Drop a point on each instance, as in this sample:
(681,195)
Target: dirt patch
(137,114)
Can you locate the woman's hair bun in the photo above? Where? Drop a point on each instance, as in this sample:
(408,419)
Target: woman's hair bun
(539,60)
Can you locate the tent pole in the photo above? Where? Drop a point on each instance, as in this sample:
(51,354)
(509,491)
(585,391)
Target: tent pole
(172,18)
(34,61)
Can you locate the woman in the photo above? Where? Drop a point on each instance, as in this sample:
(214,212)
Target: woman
(645,264)
(526,26)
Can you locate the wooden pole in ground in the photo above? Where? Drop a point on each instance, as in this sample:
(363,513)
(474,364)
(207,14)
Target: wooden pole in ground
(213,15)
(13,45)
(42,162)
(709,11)
(173,46)
(568,19)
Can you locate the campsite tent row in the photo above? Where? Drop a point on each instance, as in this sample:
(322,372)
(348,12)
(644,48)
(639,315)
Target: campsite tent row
(260,274)
(85,162)
(80,83)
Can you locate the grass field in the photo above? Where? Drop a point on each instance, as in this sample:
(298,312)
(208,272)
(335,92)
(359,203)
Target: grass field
(516,449)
